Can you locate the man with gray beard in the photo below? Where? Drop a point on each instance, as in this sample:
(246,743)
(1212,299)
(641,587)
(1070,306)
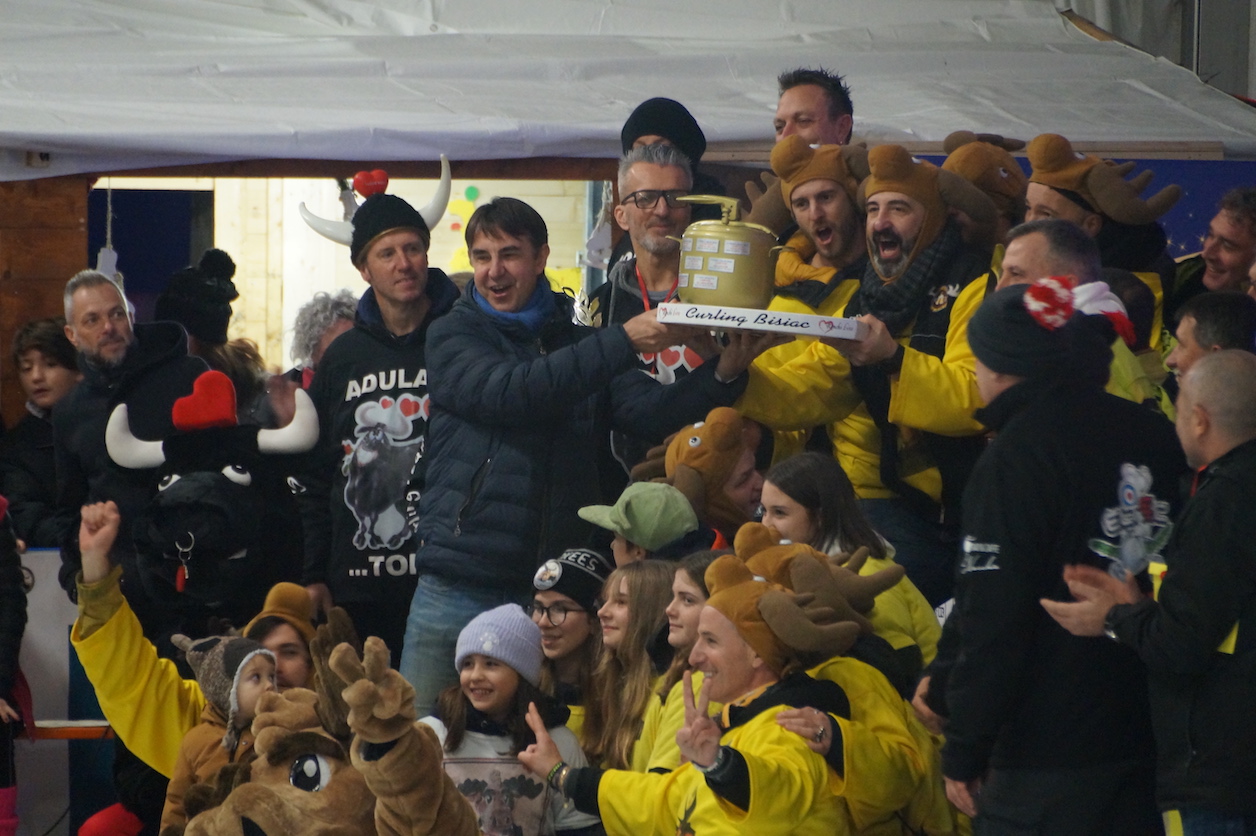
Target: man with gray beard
(147,367)
(651,178)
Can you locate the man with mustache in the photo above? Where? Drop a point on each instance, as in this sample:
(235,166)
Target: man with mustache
(902,399)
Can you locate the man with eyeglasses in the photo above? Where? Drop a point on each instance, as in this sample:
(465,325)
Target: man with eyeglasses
(652,179)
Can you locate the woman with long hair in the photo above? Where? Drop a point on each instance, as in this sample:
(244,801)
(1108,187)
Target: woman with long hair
(564,606)
(689,596)
(634,654)
(808,499)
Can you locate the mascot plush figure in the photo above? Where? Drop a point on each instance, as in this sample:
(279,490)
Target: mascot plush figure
(209,533)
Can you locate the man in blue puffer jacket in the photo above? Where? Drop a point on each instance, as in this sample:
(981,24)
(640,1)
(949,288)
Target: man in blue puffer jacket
(521,397)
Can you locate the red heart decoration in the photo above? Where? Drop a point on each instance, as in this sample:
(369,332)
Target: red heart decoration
(692,358)
(410,406)
(211,404)
(367,183)
(826,325)
(386,403)
(669,357)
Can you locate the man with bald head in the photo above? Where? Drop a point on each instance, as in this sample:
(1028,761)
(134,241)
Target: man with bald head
(1197,638)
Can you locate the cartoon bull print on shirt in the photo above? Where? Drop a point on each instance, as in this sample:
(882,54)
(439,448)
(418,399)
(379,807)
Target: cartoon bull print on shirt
(380,464)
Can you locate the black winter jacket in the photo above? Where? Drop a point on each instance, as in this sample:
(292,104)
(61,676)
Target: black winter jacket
(155,373)
(1024,693)
(1203,692)
(515,428)
(28,479)
(362,483)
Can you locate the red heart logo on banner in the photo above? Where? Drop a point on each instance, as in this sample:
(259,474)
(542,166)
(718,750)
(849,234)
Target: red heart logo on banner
(367,183)
(826,325)
(211,404)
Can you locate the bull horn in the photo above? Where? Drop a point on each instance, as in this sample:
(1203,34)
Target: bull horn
(339,231)
(301,433)
(434,211)
(125,449)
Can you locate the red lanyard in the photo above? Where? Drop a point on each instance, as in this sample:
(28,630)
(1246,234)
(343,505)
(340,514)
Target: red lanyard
(645,294)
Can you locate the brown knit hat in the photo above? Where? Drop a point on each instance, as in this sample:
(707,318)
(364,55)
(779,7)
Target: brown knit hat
(290,602)
(796,162)
(736,594)
(1099,184)
(990,168)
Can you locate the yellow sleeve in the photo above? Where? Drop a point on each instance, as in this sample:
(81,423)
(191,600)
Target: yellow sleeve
(639,802)
(790,786)
(798,390)
(939,394)
(644,747)
(883,762)
(902,611)
(143,697)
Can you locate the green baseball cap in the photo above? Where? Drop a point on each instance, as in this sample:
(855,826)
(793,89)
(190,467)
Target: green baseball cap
(649,514)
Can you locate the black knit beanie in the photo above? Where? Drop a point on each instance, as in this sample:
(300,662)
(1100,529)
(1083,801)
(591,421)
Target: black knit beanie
(381,213)
(199,298)
(1033,331)
(669,119)
(579,574)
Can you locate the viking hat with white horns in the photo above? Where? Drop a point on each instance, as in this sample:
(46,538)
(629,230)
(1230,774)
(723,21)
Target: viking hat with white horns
(381,213)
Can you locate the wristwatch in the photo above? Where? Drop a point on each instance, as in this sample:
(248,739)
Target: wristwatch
(1109,629)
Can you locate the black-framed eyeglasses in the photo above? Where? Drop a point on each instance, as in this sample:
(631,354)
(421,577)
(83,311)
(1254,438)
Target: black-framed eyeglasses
(556,614)
(647,198)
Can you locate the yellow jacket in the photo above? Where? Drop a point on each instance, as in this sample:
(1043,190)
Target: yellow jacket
(807,384)
(790,792)
(142,695)
(893,774)
(901,615)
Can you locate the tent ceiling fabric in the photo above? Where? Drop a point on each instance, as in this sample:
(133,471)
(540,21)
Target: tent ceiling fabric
(106,85)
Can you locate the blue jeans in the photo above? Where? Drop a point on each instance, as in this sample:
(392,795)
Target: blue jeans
(1205,822)
(439,610)
(924,548)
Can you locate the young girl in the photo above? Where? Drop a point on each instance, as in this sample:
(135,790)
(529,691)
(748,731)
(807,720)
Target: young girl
(634,653)
(480,722)
(809,499)
(689,596)
(564,599)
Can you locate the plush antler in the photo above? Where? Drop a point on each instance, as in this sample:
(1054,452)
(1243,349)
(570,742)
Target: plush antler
(861,590)
(1119,198)
(812,642)
(958,139)
(380,700)
(332,709)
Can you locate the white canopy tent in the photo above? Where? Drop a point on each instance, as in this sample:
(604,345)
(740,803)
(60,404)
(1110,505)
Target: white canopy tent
(112,85)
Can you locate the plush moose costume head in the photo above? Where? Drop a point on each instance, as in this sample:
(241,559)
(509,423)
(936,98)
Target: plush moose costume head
(207,533)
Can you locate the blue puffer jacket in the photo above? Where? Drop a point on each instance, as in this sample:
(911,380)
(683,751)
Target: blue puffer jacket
(516,422)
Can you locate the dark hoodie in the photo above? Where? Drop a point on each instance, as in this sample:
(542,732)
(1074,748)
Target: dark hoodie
(155,372)
(362,483)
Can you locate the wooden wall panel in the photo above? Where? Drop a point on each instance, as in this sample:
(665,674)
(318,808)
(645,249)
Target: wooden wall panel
(43,242)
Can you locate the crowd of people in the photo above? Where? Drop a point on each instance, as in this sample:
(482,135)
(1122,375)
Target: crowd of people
(503,561)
